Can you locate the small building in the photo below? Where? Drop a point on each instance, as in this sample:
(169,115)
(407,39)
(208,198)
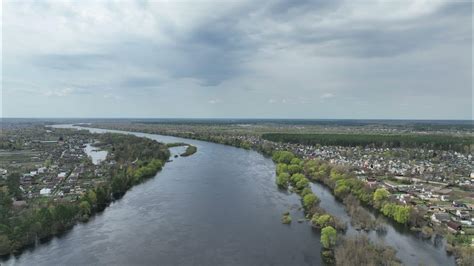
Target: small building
(458,204)
(45,192)
(465,215)
(62,175)
(440,217)
(453,226)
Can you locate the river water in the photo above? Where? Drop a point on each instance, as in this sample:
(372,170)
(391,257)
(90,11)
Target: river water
(219,206)
(96,155)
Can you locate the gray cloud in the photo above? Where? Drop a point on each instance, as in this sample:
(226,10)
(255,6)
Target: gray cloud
(242,54)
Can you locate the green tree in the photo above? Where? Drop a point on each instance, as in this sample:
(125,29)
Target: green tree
(281,168)
(324,220)
(309,200)
(13,185)
(296,178)
(5,244)
(283,156)
(328,237)
(85,208)
(295,161)
(294,168)
(341,189)
(302,183)
(380,195)
(282,180)
(402,214)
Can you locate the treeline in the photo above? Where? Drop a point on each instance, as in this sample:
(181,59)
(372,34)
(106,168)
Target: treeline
(190,150)
(295,174)
(138,159)
(435,142)
(344,185)
(127,148)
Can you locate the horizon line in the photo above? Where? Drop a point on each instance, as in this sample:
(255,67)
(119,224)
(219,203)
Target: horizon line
(244,118)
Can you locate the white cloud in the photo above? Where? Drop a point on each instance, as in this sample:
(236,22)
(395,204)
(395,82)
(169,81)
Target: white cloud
(214,101)
(59,92)
(327,96)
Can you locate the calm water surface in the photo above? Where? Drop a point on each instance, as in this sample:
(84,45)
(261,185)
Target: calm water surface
(96,155)
(219,206)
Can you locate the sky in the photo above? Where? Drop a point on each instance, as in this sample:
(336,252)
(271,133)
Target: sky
(403,59)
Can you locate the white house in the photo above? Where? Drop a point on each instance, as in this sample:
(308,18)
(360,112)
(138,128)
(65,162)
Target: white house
(45,191)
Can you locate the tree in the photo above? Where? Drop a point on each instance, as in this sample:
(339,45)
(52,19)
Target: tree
(282,180)
(294,168)
(296,178)
(402,214)
(309,200)
(283,157)
(328,237)
(295,161)
(85,208)
(4,245)
(281,168)
(91,198)
(302,183)
(13,184)
(341,189)
(324,220)
(380,195)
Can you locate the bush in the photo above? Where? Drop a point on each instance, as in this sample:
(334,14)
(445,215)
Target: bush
(309,200)
(282,180)
(328,237)
(283,157)
(286,219)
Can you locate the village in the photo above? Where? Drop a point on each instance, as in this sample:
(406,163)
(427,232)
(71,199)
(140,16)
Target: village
(52,163)
(442,187)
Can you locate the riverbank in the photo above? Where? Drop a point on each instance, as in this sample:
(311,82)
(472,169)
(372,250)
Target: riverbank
(130,161)
(401,239)
(184,216)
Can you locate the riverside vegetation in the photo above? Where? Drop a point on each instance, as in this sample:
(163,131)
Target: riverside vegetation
(131,160)
(190,149)
(338,178)
(291,172)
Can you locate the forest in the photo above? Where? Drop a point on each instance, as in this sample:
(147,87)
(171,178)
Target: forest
(434,142)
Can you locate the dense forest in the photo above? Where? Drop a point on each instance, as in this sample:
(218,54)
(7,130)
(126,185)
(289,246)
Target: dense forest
(435,142)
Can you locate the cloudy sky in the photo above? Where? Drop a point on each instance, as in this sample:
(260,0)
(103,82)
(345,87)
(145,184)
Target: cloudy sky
(249,59)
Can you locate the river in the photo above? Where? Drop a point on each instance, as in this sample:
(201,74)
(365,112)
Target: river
(219,206)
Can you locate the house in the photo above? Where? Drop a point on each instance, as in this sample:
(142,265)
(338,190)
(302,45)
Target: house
(453,226)
(42,170)
(465,215)
(371,181)
(440,217)
(458,204)
(62,175)
(45,191)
